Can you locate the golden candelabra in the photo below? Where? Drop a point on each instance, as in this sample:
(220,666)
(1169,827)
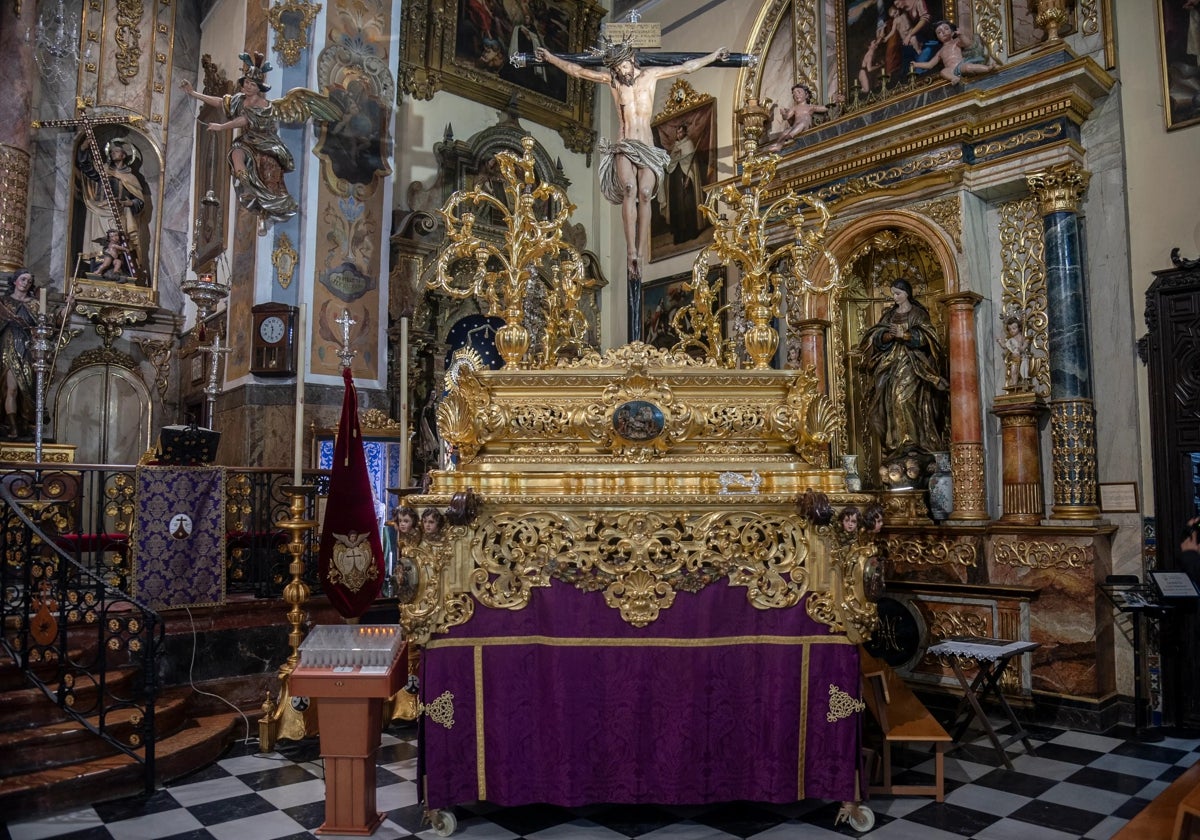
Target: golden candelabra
(742,235)
(284,718)
(533,214)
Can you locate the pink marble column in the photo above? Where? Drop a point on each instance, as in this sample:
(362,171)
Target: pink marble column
(966,412)
(812,349)
(16,80)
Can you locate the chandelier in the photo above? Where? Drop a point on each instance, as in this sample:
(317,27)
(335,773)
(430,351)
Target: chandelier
(56,44)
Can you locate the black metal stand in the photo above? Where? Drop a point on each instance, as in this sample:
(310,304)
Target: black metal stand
(1140,602)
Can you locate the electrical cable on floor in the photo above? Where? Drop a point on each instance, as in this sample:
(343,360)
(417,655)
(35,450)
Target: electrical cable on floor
(195,688)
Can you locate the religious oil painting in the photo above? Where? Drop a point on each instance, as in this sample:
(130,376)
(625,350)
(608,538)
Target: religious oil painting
(467,47)
(664,299)
(1179,30)
(690,138)
(638,420)
(884,37)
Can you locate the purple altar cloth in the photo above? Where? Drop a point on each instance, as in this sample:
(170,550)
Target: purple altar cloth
(563,702)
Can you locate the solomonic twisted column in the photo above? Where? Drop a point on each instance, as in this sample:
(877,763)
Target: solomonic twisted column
(1060,190)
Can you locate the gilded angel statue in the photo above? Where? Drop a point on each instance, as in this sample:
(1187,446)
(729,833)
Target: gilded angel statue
(258,157)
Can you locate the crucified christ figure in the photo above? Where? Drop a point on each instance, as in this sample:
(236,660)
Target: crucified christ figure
(632,167)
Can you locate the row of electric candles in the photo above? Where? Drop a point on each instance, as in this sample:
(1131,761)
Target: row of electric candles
(333,646)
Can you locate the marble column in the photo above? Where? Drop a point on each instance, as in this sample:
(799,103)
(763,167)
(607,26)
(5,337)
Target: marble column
(1023,499)
(812,349)
(1059,190)
(966,412)
(16,79)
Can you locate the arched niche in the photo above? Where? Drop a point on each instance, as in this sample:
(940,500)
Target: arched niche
(872,251)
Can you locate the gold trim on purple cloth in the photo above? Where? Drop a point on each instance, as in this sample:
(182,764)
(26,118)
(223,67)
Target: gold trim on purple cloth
(601,641)
(480,757)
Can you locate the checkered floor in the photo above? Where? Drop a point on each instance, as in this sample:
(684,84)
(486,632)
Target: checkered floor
(1079,785)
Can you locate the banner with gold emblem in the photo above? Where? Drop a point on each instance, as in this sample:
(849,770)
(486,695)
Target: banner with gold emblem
(350,562)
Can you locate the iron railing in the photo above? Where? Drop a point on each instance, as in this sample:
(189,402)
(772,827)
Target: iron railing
(66,614)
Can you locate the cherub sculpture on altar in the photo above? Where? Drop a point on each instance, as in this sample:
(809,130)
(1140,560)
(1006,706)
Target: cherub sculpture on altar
(259,158)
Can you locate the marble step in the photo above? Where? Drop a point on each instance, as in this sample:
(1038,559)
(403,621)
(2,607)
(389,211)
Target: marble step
(70,742)
(28,707)
(57,789)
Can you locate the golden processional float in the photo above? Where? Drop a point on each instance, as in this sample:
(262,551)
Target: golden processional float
(633,475)
(639,471)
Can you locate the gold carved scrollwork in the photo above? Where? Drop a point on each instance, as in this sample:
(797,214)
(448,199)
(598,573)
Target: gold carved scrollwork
(947,213)
(1039,554)
(842,705)
(681,97)
(989,26)
(933,551)
(638,385)
(291,19)
(1023,282)
(943,624)
(638,560)
(129,39)
(808,420)
(466,416)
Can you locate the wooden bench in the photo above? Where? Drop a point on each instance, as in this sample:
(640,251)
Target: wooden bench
(1172,815)
(903,719)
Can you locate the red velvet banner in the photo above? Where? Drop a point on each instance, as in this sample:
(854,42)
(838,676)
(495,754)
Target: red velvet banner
(350,562)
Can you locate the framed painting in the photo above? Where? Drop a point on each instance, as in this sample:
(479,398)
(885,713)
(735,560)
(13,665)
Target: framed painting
(688,133)
(663,298)
(1180,56)
(465,47)
(886,36)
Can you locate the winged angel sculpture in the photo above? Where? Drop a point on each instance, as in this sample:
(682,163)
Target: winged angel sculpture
(258,157)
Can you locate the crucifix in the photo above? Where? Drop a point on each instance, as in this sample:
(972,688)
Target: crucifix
(215,351)
(632,167)
(345,353)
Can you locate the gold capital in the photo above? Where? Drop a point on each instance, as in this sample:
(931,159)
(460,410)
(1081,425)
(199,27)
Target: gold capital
(1059,188)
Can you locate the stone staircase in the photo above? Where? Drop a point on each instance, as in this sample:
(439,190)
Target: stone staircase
(54,763)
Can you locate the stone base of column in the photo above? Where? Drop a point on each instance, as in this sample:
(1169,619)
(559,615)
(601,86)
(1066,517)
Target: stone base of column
(1022,495)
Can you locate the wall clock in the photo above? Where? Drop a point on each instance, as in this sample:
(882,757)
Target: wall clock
(273,340)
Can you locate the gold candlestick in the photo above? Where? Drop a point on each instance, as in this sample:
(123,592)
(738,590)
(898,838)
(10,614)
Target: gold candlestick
(284,719)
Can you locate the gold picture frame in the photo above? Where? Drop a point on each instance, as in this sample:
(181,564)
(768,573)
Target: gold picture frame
(291,19)
(677,225)
(1181,88)
(464,48)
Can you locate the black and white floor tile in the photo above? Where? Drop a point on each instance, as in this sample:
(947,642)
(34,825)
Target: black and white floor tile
(1078,786)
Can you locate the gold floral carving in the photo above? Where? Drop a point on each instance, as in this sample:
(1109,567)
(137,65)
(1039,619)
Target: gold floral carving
(933,550)
(989,26)
(119,502)
(638,560)
(128,38)
(842,705)
(947,213)
(1023,279)
(1040,554)
(284,258)
(883,178)
(1016,141)
(1073,452)
(944,624)
(805,29)
(441,710)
